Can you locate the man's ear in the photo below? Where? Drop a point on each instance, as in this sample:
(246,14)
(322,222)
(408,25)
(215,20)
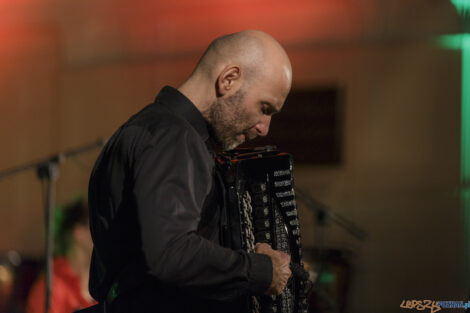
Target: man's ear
(229,78)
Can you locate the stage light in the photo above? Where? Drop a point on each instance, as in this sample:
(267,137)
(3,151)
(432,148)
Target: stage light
(462,42)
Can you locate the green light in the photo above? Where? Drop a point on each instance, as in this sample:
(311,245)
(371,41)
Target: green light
(326,278)
(463,6)
(465,116)
(453,42)
(465,141)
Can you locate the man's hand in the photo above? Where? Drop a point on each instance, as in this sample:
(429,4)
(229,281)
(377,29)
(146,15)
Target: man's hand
(281,270)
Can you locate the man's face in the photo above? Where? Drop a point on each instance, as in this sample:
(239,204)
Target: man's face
(230,121)
(244,115)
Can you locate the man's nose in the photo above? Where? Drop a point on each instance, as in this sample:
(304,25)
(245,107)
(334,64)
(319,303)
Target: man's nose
(262,128)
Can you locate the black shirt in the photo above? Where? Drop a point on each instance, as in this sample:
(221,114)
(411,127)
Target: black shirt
(148,190)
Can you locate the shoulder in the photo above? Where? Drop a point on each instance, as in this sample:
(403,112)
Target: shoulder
(154,125)
(157,126)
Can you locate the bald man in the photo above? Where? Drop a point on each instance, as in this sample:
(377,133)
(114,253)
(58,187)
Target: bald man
(155,203)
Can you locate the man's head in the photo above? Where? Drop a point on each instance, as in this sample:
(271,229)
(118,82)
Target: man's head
(239,83)
(72,228)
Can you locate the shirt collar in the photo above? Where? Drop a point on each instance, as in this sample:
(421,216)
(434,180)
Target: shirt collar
(175,101)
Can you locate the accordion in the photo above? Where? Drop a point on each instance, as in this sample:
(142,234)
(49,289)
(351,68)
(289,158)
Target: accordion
(260,207)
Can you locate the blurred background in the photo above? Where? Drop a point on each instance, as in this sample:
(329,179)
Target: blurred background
(375,124)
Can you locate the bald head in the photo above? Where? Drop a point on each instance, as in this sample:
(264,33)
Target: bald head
(256,53)
(241,80)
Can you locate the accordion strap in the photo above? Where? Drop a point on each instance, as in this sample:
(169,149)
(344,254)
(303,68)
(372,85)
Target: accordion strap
(247,216)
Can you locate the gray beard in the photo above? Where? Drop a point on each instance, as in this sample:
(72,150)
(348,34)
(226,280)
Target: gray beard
(225,119)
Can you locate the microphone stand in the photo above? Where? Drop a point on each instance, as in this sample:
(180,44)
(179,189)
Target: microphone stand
(323,213)
(48,170)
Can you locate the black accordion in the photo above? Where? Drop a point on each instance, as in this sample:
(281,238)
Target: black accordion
(260,207)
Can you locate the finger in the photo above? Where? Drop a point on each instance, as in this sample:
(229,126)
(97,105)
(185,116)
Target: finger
(259,244)
(284,257)
(262,247)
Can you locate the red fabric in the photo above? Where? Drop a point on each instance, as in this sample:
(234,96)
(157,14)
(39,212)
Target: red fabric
(66,294)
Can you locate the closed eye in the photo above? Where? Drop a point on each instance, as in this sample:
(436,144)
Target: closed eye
(268,109)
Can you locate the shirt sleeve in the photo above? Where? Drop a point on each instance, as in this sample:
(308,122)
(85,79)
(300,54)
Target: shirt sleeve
(172,177)
(35,302)
(37,294)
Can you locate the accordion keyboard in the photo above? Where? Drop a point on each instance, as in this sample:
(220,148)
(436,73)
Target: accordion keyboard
(262,208)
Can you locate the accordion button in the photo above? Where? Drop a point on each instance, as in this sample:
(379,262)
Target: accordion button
(292,213)
(260,199)
(258,188)
(263,236)
(261,212)
(294,222)
(262,224)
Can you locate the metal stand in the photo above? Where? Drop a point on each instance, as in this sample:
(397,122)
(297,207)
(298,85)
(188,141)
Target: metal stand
(322,215)
(48,171)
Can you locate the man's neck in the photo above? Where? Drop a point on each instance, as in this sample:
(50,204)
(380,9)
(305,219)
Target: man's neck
(194,89)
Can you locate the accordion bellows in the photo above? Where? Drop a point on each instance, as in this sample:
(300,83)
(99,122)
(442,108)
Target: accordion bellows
(260,205)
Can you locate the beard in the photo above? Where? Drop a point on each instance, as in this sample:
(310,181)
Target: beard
(228,121)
